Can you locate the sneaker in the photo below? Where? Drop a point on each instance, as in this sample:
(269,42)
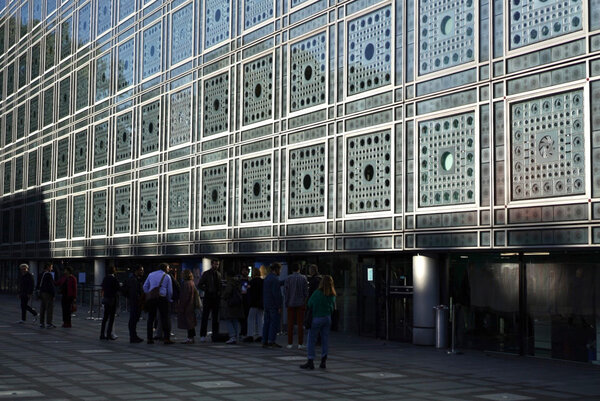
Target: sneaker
(42,326)
(258,340)
(274,345)
(289,346)
(232,340)
(202,339)
(112,337)
(300,346)
(50,326)
(188,341)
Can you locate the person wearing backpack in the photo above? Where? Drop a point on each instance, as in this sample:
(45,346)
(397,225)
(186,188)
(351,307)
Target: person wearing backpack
(233,306)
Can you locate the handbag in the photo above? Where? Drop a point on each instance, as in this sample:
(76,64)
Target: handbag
(73,307)
(155,292)
(197,301)
(308,318)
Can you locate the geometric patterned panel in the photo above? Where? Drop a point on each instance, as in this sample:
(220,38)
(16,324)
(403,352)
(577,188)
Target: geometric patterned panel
(256,12)
(258,90)
(35,60)
(64,98)
(47,163)
(446,34)
(214,195)
(7,176)
(32,169)
(8,133)
(82,92)
(122,209)
(180,115)
(34,114)
(103,15)
(152,56)
(62,162)
(101,145)
(256,189)
(60,231)
(83,25)
(21,122)
(547,146)
(307,181)
(308,71)
(216,104)
(123,139)
(369,172)
(19,173)
(80,152)
(50,50)
(103,77)
(148,205)
(179,201)
(182,34)
(533,21)
(48,106)
(66,38)
(126,7)
(99,213)
(125,65)
(216,27)
(447,160)
(150,127)
(369,51)
(78,222)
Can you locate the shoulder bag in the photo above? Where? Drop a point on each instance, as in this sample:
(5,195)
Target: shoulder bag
(155,292)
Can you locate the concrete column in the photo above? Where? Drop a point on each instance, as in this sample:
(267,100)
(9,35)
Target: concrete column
(33,268)
(426,284)
(206,264)
(99,271)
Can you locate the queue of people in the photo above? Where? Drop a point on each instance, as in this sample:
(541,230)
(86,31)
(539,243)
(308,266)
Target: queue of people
(251,305)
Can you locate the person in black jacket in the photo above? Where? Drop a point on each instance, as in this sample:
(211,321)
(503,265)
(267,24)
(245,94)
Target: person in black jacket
(47,292)
(26,285)
(135,296)
(210,283)
(110,293)
(255,302)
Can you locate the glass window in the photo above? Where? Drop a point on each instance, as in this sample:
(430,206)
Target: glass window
(152,57)
(62,162)
(24,19)
(103,77)
(32,169)
(48,106)
(50,50)
(35,61)
(19,173)
(22,70)
(104,14)
(83,25)
(126,8)
(47,163)
(34,105)
(123,139)
(66,38)
(50,7)
(37,12)
(80,152)
(125,66)
(21,122)
(101,145)
(64,98)
(83,82)
(182,35)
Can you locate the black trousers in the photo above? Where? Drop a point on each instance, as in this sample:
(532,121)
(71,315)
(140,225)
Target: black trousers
(110,309)
(66,303)
(134,316)
(211,306)
(161,305)
(25,307)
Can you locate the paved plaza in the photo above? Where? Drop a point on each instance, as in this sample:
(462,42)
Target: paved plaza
(68,364)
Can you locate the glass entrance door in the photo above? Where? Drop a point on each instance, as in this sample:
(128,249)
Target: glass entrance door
(371,297)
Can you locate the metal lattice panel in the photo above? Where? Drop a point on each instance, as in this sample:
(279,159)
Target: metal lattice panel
(123,139)
(447,160)
(47,163)
(50,50)
(48,107)
(7,177)
(214,195)
(179,201)
(19,173)
(60,231)
(126,7)
(32,169)
(62,162)
(78,222)
(182,34)
(368,187)
(216,104)
(34,114)
(307,181)
(125,65)
(533,21)
(216,27)
(258,90)
(446,34)
(122,209)
(64,98)
(256,189)
(35,60)
(308,72)
(101,145)
(256,12)
(83,25)
(80,152)
(369,51)
(103,77)
(103,16)
(21,122)
(8,129)
(152,55)
(150,127)
(99,213)
(66,38)
(148,207)
(547,146)
(180,116)
(82,93)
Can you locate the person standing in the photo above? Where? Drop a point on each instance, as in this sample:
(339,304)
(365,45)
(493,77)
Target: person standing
(172,310)
(68,289)
(159,291)
(322,305)
(296,293)
(26,285)
(210,284)
(135,297)
(272,301)
(244,282)
(189,302)
(110,294)
(314,279)
(47,293)
(255,303)
(233,307)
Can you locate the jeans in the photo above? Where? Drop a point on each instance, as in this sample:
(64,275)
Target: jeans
(25,307)
(255,322)
(134,316)
(295,314)
(320,325)
(210,306)
(271,326)
(234,328)
(46,307)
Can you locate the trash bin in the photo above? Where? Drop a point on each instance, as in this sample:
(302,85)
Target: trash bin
(441,326)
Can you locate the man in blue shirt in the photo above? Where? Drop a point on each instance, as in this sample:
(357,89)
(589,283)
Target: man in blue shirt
(160,280)
(272,303)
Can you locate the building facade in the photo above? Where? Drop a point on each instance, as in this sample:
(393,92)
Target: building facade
(421,151)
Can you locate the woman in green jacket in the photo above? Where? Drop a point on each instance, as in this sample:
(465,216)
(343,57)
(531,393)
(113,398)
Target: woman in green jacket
(322,305)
